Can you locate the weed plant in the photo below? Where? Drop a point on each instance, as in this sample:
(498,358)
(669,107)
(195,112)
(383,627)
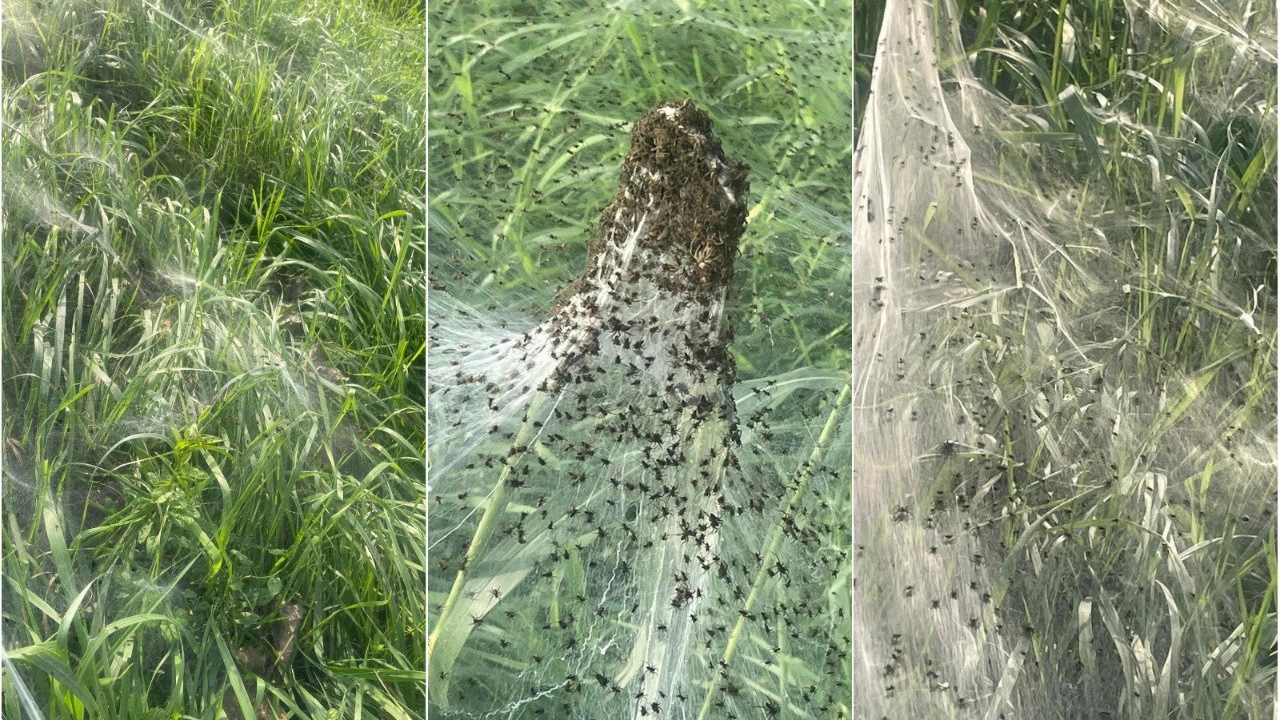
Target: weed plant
(213,360)
(542,495)
(1065,297)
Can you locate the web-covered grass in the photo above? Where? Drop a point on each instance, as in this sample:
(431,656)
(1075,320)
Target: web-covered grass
(530,110)
(1070,359)
(213,320)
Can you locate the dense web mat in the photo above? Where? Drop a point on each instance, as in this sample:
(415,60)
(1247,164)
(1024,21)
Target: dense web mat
(1001,416)
(923,254)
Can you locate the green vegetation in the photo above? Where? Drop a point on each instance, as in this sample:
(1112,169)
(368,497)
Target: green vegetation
(213,327)
(530,111)
(1119,364)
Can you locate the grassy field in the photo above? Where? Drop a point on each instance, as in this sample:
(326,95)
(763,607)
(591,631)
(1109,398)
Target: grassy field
(1107,326)
(530,111)
(213,359)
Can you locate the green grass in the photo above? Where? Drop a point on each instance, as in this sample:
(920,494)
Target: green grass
(1125,410)
(530,109)
(213,328)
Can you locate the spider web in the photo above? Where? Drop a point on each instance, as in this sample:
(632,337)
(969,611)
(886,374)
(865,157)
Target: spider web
(617,527)
(966,292)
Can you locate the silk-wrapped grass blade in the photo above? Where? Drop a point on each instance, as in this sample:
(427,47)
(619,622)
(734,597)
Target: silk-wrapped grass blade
(584,470)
